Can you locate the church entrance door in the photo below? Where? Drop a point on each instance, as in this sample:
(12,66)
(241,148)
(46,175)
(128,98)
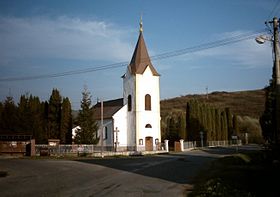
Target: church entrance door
(149,143)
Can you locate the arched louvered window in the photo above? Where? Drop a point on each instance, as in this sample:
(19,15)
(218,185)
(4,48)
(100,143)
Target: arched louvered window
(148,102)
(129,103)
(148,126)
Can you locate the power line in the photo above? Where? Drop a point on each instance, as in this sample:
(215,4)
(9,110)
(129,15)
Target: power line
(274,9)
(204,46)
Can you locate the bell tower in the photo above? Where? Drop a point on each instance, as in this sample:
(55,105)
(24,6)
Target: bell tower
(142,97)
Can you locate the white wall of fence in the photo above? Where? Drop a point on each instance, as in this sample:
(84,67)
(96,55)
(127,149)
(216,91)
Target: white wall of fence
(193,144)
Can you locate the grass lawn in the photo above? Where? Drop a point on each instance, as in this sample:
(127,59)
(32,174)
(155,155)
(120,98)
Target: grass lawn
(245,174)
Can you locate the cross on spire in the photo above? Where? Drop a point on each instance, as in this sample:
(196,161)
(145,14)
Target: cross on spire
(141,59)
(141,24)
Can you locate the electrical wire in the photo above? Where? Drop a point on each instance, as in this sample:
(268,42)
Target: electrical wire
(274,10)
(204,46)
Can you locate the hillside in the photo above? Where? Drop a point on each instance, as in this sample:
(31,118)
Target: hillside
(243,103)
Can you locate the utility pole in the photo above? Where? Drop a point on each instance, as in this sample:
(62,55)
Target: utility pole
(207,92)
(277,78)
(101,134)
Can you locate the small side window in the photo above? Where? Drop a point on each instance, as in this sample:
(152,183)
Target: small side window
(129,103)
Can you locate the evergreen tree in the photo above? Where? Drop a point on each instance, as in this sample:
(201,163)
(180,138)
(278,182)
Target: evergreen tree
(224,126)
(181,125)
(31,118)
(88,132)
(173,130)
(1,119)
(268,120)
(24,115)
(10,117)
(235,125)
(218,124)
(66,122)
(229,123)
(214,126)
(54,115)
(37,122)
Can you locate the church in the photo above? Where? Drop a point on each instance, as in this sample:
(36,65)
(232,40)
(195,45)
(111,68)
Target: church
(133,122)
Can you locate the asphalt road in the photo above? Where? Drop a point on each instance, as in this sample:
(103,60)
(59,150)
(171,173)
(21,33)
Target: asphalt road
(160,175)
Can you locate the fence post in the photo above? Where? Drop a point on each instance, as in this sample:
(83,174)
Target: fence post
(166,145)
(33,150)
(182,144)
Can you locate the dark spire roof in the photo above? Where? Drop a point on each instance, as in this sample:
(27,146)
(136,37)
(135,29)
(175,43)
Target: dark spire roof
(141,59)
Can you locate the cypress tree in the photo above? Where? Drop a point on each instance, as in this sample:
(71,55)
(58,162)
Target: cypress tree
(188,122)
(24,115)
(229,123)
(213,122)
(38,126)
(235,125)
(54,115)
(66,122)
(218,124)
(224,126)
(1,119)
(182,125)
(10,117)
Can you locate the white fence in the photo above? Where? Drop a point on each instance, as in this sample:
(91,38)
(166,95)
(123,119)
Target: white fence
(84,149)
(224,143)
(189,145)
(193,144)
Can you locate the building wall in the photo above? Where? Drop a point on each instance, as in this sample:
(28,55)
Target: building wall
(120,123)
(129,89)
(147,84)
(107,123)
(138,86)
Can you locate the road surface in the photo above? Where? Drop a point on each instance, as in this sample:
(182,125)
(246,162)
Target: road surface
(159,175)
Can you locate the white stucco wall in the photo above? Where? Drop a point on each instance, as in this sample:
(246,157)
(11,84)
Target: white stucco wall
(109,140)
(129,89)
(147,84)
(119,119)
(138,86)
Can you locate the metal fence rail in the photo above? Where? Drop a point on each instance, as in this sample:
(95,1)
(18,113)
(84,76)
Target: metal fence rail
(194,144)
(44,149)
(224,143)
(189,145)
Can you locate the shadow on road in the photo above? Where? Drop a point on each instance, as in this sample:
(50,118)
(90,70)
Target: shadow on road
(176,167)
(172,167)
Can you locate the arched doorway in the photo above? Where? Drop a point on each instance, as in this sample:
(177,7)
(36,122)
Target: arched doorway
(149,143)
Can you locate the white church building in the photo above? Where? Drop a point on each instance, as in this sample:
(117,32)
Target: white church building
(133,122)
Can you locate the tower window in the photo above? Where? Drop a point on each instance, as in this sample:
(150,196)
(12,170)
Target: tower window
(129,103)
(148,126)
(148,102)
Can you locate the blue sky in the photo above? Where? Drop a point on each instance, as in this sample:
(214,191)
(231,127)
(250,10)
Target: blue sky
(48,37)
